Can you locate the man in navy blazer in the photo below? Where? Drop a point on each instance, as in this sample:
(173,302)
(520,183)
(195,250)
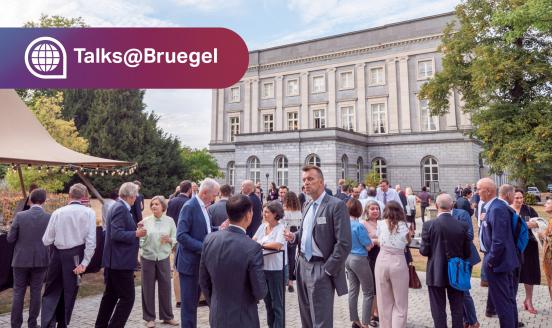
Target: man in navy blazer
(193,225)
(119,259)
(501,258)
(248,189)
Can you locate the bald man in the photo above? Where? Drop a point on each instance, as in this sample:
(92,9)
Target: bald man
(501,258)
(248,189)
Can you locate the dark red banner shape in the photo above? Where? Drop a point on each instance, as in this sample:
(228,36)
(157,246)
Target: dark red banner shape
(121,58)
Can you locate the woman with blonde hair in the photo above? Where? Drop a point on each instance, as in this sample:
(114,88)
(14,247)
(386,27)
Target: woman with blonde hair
(546,236)
(372,213)
(411,207)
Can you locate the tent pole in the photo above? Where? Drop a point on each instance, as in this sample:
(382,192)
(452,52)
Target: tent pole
(90,186)
(21,181)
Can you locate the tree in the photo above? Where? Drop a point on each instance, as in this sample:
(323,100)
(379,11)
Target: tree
(498,56)
(372,179)
(199,164)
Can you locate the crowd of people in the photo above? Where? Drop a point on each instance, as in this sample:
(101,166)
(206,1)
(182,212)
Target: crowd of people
(232,251)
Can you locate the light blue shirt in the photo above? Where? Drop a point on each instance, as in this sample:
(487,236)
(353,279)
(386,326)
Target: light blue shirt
(308,223)
(359,238)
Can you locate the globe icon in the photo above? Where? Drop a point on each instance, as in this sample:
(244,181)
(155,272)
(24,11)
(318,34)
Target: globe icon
(45,57)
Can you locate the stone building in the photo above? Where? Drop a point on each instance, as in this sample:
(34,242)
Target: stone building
(347,103)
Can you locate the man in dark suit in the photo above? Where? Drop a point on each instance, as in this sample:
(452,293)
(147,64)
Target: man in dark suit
(248,189)
(30,258)
(119,260)
(501,258)
(231,250)
(176,203)
(193,225)
(324,241)
(464,201)
(442,239)
(138,206)
(217,211)
(344,194)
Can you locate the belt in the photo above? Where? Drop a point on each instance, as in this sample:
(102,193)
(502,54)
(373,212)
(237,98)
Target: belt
(313,258)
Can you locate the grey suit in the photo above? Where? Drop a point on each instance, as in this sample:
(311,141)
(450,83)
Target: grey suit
(317,279)
(30,261)
(232,298)
(217,212)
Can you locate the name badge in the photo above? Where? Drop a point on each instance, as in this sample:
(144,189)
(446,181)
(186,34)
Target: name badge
(321,220)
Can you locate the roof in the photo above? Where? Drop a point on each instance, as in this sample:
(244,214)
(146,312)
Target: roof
(23,140)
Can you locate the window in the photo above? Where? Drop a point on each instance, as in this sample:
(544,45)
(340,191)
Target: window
(430,173)
(348,118)
(254,168)
(319,118)
(377,76)
(346,80)
(313,159)
(425,69)
(281,171)
(293,120)
(318,84)
(293,87)
(380,166)
(268,122)
(231,173)
(428,122)
(235,94)
(234,127)
(379,118)
(344,167)
(359,169)
(268,90)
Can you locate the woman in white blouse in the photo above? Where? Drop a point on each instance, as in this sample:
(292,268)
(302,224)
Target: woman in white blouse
(391,269)
(271,237)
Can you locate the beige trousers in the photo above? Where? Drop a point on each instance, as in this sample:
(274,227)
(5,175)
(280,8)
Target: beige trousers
(175,277)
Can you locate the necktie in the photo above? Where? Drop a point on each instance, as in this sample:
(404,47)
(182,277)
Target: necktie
(384,198)
(308,233)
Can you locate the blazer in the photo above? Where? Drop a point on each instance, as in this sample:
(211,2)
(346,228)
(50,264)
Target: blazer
(464,216)
(498,238)
(190,233)
(444,231)
(232,298)
(217,212)
(121,244)
(175,206)
(26,232)
(136,208)
(464,204)
(257,214)
(332,237)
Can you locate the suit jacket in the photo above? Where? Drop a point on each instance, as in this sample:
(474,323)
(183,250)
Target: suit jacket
(332,237)
(257,214)
(498,238)
(217,212)
(464,216)
(344,197)
(26,232)
(121,244)
(464,204)
(175,206)
(190,233)
(136,208)
(232,298)
(445,231)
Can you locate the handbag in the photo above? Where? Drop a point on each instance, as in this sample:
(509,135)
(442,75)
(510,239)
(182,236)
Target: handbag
(458,272)
(413,280)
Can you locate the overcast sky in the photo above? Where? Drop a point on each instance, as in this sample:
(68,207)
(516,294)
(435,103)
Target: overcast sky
(261,23)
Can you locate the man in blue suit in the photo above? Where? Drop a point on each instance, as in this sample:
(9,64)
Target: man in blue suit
(501,258)
(248,189)
(193,225)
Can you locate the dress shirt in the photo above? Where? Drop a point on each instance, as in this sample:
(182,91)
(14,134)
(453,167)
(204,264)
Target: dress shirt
(239,227)
(309,221)
(272,262)
(363,194)
(392,195)
(70,226)
(205,214)
(108,202)
(360,238)
(150,244)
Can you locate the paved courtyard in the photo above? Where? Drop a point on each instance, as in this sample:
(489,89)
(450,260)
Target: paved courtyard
(419,315)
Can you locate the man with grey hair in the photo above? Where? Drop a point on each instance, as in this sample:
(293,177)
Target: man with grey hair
(193,225)
(444,238)
(248,189)
(71,232)
(119,259)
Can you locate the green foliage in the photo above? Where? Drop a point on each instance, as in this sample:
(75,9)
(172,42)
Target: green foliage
(499,58)
(351,183)
(199,164)
(3,170)
(530,199)
(372,179)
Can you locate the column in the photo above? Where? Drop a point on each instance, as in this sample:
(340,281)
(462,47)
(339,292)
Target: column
(465,119)
(247,106)
(361,95)
(255,105)
(405,94)
(392,110)
(214,115)
(451,115)
(278,117)
(220,116)
(331,99)
(304,114)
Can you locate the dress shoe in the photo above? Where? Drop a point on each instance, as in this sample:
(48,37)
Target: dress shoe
(178,305)
(490,314)
(355,325)
(475,325)
(484,283)
(150,324)
(203,303)
(521,324)
(290,289)
(171,322)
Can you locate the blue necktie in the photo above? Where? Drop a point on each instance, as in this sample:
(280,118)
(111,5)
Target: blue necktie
(385,198)
(308,235)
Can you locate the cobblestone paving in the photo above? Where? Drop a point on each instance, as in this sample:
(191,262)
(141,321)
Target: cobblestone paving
(419,315)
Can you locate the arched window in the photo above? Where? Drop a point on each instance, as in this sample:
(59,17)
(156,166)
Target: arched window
(231,173)
(281,170)
(380,166)
(344,167)
(359,171)
(254,169)
(430,173)
(313,159)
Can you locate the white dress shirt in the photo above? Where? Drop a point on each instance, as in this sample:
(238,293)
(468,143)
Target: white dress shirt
(392,195)
(70,226)
(309,221)
(205,214)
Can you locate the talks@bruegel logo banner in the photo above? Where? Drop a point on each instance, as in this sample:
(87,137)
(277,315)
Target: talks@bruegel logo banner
(46,58)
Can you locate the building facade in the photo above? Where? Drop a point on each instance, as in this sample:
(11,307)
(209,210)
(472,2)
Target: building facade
(347,103)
